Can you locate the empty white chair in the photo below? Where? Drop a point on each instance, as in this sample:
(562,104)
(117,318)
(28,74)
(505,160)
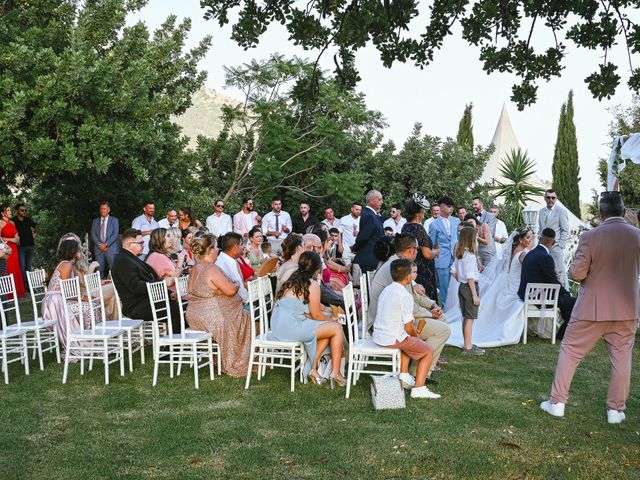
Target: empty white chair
(364,352)
(13,338)
(541,302)
(88,343)
(166,346)
(133,329)
(266,351)
(42,335)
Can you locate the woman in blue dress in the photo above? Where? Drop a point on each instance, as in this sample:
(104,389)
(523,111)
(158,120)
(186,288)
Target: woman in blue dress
(298,317)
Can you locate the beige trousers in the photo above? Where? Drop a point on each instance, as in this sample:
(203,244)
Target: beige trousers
(435,333)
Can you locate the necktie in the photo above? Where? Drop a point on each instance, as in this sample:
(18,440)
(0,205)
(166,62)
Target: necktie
(277,223)
(546,217)
(103,230)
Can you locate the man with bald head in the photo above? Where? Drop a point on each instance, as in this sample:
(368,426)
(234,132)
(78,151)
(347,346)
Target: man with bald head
(370,231)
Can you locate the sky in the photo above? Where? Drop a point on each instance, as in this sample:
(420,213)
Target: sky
(436,96)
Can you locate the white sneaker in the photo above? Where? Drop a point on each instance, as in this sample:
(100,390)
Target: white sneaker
(614,416)
(553,409)
(423,392)
(408,381)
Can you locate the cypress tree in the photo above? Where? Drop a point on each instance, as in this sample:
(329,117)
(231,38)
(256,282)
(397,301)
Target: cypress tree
(565,167)
(465,128)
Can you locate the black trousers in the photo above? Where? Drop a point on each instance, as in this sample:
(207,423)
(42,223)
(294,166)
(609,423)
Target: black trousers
(565,304)
(142,311)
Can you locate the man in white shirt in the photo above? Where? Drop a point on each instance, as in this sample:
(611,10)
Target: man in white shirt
(231,248)
(397,221)
(394,328)
(501,233)
(351,225)
(246,219)
(435,213)
(330,220)
(276,225)
(170,221)
(219,223)
(146,224)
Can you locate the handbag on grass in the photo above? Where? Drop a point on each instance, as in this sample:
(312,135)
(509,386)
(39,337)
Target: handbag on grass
(387,392)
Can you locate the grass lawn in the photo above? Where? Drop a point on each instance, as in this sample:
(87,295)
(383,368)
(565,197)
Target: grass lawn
(486,425)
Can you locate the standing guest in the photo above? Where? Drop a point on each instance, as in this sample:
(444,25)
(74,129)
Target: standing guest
(215,307)
(302,222)
(465,270)
(483,216)
(394,328)
(501,235)
(461,213)
(444,233)
(486,245)
(146,224)
(219,223)
(556,218)
(254,254)
(246,219)
(370,231)
(27,231)
(426,252)
(276,224)
(104,235)
(298,317)
(186,218)
(607,264)
(350,225)
(435,213)
(292,248)
(160,247)
(396,221)
(9,235)
(231,249)
(170,221)
(330,220)
(130,277)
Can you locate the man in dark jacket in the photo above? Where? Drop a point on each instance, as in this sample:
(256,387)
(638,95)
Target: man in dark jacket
(370,231)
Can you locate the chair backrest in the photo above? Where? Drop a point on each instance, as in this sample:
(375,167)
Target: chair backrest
(159,300)
(256,306)
(182,289)
(364,300)
(542,296)
(38,289)
(268,299)
(7,305)
(351,313)
(72,295)
(93,285)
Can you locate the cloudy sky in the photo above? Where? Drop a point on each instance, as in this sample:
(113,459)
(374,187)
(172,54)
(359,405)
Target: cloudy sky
(436,96)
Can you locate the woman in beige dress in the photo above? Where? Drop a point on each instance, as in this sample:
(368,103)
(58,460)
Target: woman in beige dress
(215,307)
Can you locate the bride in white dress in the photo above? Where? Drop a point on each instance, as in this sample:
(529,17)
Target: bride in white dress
(500,320)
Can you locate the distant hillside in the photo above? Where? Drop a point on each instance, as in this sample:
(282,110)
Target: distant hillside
(204,117)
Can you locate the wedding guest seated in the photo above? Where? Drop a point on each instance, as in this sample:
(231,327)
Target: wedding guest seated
(388,231)
(298,317)
(394,328)
(187,235)
(337,249)
(267,249)
(216,307)
(231,248)
(254,253)
(292,248)
(247,271)
(160,245)
(130,277)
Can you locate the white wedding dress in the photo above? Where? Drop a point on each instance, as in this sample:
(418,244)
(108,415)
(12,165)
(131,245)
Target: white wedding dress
(500,321)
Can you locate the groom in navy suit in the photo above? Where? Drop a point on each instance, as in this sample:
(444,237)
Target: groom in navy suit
(104,235)
(538,267)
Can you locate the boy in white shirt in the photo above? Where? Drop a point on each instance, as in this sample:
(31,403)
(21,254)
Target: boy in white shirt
(393,328)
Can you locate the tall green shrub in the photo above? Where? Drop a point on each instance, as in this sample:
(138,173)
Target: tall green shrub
(565,168)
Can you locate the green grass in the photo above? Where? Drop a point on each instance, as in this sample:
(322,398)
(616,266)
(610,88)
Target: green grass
(486,425)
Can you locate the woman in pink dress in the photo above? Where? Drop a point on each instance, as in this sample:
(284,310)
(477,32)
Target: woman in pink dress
(9,235)
(160,245)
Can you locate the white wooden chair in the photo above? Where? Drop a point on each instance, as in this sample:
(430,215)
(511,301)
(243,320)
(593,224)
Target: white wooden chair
(42,334)
(13,338)
(365,281)
(133,329)
(182,289)
(266,351)
(88,343)
(541,302)
(364,352)
(166,346)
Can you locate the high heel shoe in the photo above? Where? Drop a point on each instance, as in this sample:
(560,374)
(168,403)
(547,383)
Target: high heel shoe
(316,379)
(338,378)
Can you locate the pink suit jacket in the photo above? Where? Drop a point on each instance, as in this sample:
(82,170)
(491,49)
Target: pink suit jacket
(238,223)
(607,263)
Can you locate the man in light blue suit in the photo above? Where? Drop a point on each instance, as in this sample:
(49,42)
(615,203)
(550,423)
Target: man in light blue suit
(104,234)
(444,231)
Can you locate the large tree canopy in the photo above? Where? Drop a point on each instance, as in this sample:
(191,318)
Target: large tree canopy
(502,30)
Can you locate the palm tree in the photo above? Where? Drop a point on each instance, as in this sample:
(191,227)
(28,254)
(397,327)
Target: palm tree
(517,168)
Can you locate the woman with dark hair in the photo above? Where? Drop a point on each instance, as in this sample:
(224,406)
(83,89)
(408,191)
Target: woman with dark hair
(254,255)
(187,235)
(67,257)
(160,244)
(186,218)
(9,235)
(298,317)
(292,248)
(426,253)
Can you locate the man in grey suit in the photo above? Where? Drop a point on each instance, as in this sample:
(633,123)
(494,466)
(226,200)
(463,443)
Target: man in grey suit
(556,218)
(104,234)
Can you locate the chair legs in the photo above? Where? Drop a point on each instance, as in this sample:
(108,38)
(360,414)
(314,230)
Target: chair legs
(5,366)
(249,368)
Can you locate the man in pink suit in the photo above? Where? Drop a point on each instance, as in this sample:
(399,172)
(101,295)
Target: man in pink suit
(245,219)
(607,264)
